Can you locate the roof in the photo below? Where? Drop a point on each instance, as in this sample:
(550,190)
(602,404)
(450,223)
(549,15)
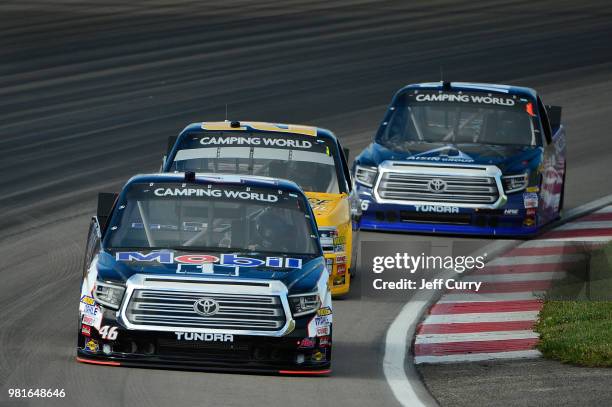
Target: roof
(473,87)
(259,127)
(227,179)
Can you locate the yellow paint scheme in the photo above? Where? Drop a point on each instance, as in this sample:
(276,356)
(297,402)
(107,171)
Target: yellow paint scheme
(261,126)
(334,210)
(329,209)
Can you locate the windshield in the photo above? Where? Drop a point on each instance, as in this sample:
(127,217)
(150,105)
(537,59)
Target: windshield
(455,118)
(211,217)
(305,160)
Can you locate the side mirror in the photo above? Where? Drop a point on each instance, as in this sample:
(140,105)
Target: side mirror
(346,153)
(554,116)
(106,202)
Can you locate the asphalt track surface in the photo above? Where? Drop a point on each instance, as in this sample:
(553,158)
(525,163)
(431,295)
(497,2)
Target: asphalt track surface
(90,92)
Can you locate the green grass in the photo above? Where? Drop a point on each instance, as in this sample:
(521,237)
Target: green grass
(577,332)
(575,323)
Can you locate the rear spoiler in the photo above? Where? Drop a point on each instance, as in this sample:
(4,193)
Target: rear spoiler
(554,116)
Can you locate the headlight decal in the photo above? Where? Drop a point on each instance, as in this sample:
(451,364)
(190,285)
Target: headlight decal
(304,304)
(515,183)
(109,295)
(365,175)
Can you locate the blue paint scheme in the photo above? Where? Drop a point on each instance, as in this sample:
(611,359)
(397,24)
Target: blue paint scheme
(546,159)
(297,280)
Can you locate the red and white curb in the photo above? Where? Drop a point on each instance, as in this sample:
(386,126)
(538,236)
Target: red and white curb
(497,321)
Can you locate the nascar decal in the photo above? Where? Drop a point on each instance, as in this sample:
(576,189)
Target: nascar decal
(256,141)
(463,98)
(222,260)
(217,193)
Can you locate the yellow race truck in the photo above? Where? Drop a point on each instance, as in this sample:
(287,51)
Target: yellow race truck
(311,157)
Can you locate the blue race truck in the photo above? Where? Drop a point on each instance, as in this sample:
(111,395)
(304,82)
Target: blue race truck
(463,158)
(220,272)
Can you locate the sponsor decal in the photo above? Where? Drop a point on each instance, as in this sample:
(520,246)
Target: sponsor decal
(532,189)
(436,208)
(322,321)
(217,193)
(463,98)
(92,316)
(442,159)
(323,330)
(167,257)
(86,299)
(307,343)
(256,141)
(204,337)
(86,330)
(339,240)
(341,269)
(318,356)
(92,345)
(323,312)
(341,259)
(530,200)
(443,154)
(512,212)
(88,320)
(324,341)
(529,222)
(318,205)
(531,211)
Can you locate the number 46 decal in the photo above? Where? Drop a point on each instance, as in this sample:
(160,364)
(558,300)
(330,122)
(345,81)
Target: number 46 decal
(109,332)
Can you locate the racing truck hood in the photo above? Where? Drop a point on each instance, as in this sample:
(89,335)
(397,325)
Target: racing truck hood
(329,209)
(508,158)
(298,273)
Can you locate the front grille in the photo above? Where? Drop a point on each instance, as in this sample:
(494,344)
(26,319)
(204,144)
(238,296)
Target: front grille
(175,309)
(458,189)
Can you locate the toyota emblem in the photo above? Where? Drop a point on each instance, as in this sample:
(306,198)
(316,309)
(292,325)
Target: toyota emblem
(437,185)
(206,307)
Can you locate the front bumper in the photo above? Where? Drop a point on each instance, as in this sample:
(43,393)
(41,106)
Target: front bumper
(292,354)
(512,219)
